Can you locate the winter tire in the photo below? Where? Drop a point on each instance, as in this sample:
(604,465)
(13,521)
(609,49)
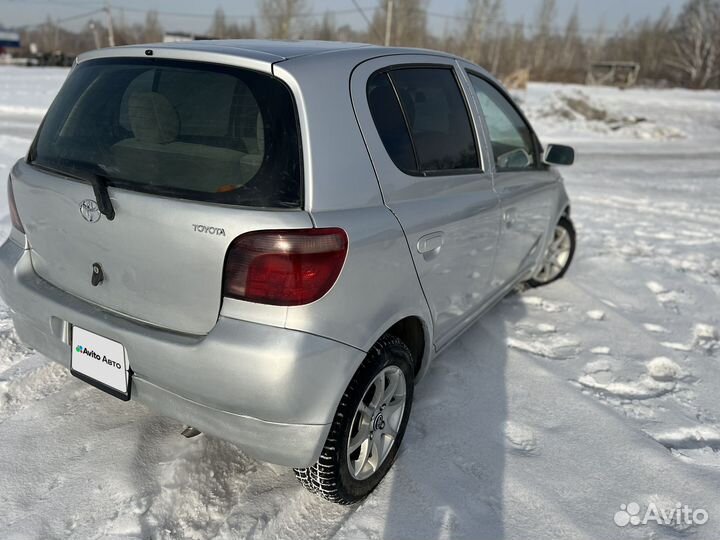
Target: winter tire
(368,426)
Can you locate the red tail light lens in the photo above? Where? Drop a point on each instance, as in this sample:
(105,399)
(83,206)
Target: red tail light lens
(284,268)
(14,216)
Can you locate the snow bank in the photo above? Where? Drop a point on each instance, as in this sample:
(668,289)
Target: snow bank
(575,110)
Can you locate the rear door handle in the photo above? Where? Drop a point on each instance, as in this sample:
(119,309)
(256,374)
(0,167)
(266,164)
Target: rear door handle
(430,242)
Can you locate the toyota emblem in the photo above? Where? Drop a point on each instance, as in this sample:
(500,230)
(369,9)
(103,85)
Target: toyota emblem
(89,210)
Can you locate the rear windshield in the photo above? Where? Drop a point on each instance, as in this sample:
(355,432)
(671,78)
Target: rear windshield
(182,129)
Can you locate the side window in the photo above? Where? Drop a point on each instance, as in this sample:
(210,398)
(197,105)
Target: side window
(511,138)
(389,121)
(437,118)
(421,117)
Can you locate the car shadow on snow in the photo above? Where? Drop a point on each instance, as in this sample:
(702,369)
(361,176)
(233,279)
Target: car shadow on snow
(448,479)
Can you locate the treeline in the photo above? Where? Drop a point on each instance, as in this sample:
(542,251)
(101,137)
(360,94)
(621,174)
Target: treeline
(682,49)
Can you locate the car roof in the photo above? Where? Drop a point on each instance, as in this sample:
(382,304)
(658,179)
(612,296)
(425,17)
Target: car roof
(282,49)
(266,50)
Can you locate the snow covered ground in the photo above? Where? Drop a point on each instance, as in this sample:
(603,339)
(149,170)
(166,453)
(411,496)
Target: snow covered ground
(558,407)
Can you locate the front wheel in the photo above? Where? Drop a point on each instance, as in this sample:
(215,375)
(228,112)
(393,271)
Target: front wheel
(368,426)
(558,255)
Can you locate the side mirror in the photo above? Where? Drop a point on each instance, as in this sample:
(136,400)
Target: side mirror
(558,154)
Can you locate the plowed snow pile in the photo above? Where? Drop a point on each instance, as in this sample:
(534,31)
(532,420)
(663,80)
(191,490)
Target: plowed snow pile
(576,110)
(559,412)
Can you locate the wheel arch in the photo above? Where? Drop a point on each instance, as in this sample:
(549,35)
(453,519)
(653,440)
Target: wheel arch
(413,332)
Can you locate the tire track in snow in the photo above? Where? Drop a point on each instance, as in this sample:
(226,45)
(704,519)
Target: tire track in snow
(206,488)
(26,376)
(30,380)
(687,430)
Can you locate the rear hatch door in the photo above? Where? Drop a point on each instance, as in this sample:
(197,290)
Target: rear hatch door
(162,259)
(192,156)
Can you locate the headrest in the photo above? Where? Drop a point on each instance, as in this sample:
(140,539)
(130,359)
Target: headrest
(153,119)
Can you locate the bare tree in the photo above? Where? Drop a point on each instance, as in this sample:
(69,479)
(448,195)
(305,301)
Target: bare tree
(597,40)
(696,43)
(327,29)
(221,28)
(219,25)
(571,39)
(481,16)
(153,31)
(281,18)
(654,45)
(408,23)
(243,31)
(543,34)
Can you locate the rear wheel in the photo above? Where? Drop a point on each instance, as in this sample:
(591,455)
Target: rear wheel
(368,426)
(558,255)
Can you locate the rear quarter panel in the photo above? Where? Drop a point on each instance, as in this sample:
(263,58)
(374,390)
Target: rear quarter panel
(378,285)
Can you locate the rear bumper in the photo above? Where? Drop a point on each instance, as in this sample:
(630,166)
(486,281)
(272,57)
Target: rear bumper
(270,390)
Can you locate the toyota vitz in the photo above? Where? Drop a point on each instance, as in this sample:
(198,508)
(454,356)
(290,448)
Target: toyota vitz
(270,241)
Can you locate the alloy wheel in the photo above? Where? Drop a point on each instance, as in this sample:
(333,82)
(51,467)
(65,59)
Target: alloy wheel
(376,423)
(556,256)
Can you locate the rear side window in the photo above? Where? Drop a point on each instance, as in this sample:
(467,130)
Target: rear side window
(425,108)
(189,130)
(390,123)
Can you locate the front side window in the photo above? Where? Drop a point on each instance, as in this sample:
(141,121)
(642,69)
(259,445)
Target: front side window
(188,130)
(423,121)
(511,138)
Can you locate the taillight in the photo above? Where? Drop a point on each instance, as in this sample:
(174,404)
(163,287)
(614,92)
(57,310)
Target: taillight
(14,216)
(284,268)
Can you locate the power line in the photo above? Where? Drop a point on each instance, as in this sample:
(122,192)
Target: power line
(240,16)
(367,19)
(363,11)
(187,14)
(64,20)
(509,24)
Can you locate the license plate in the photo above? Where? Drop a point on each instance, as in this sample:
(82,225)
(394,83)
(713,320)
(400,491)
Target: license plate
(100,362)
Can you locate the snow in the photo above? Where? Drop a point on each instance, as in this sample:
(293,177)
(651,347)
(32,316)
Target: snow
(559,406)
(663,369)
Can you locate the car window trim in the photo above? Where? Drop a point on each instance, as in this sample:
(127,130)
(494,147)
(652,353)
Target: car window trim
(428,173)
(537,147)
(417,169)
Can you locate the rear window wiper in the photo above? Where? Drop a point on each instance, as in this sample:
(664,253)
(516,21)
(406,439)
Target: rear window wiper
(99,183)
(102,196)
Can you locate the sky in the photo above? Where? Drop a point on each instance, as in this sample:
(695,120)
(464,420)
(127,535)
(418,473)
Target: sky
(592,12)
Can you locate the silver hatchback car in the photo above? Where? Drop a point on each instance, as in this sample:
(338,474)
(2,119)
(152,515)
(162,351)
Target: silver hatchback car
(270,241)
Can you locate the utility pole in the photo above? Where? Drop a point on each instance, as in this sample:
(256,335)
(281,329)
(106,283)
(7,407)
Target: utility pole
(388,23)
(111,32)
(96,36)
(56,39)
